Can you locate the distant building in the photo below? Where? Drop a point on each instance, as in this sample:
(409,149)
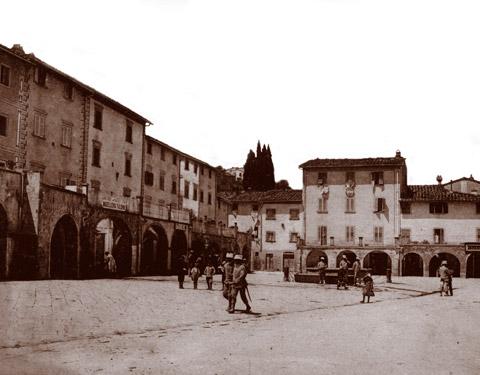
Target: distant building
(275,220)
(464,185)
(237,172)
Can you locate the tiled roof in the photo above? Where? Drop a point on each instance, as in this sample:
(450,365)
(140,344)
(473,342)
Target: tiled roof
(269,196)
(436,193)
(349,163)
(470,179)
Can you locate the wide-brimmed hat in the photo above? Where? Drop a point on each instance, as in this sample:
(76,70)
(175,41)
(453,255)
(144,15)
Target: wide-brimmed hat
(444,262)
(229,256)
(238,257)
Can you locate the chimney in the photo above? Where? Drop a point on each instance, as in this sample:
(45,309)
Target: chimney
(398,154)
(439,179)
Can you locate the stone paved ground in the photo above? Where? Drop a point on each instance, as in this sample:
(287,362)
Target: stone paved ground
(148,325)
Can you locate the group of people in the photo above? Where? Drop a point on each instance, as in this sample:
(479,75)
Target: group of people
(342,278)
(234,278)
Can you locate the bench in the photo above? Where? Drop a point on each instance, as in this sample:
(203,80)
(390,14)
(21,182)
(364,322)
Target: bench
(331,275)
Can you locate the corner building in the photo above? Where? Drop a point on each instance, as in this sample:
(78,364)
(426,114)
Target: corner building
(352,208)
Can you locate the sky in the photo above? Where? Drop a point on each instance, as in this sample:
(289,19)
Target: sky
(313,79)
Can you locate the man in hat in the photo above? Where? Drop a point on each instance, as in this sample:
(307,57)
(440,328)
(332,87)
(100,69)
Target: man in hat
(110,264)
(356,271)
(445,279)
(239,283)
(322,267)
(227,285)
(343,273)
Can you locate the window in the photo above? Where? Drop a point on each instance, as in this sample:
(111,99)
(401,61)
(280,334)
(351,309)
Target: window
(149,148)
(271,212)
(201,196)
(41,75)
(322,205)
(174,186)
(350,205)
(162,180)
(478,207)
(3,125)
(195,192)
(96,154)
(438,235)
(405,236)
(39,119)
(187,165)
(98,117)
(377,178)
(378,235)
(5,75)
(350,177)
(67,134)
(350,233)
(294,214)
(270,237)
(148,178)
(195,168)
(478,234)
(210,198)
(439,208)
(293,237)
(68,91)
(65,179)
(322,178)
(186,189)
(380,205)
(128,131)
(127,192)
(406,207)
(234,206)
(174,159)
(162,154)
(322,235)
(128,165)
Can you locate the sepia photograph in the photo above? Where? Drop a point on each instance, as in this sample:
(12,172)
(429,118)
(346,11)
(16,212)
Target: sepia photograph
(240,187)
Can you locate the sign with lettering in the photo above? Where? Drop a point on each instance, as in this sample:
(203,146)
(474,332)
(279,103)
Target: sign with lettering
(472,247)
(183,227)
(114,204)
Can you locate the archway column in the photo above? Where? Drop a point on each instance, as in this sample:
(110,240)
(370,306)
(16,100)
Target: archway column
(10,247)
(463,267)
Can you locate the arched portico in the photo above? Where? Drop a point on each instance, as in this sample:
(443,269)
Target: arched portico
(378,261)
(412,265)
(154,255)
(64,249)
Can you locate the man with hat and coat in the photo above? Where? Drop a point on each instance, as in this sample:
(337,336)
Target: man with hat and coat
(322,267)
(343,273)
(445,279)
(239,283)
(227,284)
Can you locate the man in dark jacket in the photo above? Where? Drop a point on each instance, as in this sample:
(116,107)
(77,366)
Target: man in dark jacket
(181,270)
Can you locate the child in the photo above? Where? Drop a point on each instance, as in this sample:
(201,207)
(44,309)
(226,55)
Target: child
(368,288)
(195,274)
(209,272)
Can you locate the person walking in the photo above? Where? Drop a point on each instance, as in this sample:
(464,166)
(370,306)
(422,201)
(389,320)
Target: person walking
(445,277)
(356,271)
(239,283)
(227,285)
(195,274)
(110,264)
(182,269)
(343,273)
(367,290)
(322,268)
(209,272)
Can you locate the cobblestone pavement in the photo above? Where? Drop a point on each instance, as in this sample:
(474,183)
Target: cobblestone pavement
(148,325)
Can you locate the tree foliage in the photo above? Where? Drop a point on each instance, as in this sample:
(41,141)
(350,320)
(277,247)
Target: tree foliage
(259,172)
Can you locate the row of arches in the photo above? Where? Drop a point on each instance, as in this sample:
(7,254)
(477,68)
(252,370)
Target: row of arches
(113,235)
(412,263)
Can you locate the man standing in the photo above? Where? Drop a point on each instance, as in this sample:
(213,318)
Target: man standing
(181,270)
(343,273)
(356,271)
(322,267)
(239,283)
(110,264)
(228,272)
(445,276)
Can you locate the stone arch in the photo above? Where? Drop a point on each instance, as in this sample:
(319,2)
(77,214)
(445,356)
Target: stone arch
(178,246)
(452,263)
(473,265)
(113,234)
(379,261)
(313,257)
(3,241)
(64,249)
(351,256)
(412,265)
(154,256)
